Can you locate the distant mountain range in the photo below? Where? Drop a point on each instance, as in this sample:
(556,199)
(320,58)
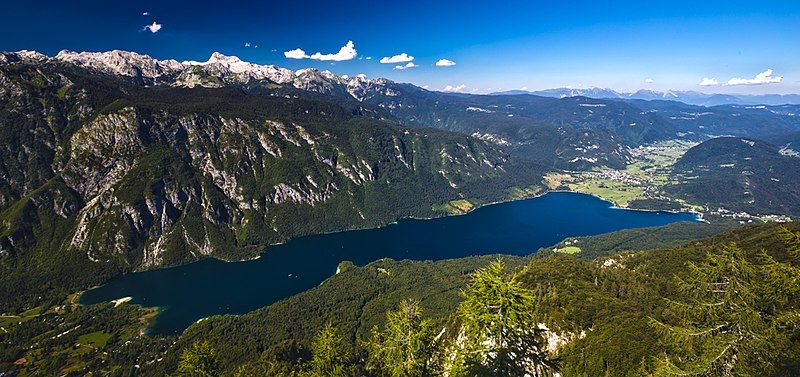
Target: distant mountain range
(689,97)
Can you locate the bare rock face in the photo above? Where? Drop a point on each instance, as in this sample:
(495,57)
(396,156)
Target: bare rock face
(124,63)
(107,167)
(218,71)
(142,186)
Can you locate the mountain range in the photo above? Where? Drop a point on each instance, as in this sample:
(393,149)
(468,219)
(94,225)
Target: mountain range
(114,162)
(689,97)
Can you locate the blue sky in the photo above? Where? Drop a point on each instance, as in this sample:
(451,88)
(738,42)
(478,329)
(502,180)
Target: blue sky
(496,45)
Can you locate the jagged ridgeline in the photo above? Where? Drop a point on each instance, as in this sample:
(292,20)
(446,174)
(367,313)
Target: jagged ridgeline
(101,175)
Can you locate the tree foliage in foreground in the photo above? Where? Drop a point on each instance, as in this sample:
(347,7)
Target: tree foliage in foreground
(330,354)
(736,316)
(408,346)
(500,337)
(198,360)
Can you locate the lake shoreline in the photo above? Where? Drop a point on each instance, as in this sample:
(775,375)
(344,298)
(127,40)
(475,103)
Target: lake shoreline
(518,226)
(266,248)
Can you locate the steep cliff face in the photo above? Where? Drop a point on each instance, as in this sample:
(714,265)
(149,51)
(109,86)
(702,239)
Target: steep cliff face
(114,178)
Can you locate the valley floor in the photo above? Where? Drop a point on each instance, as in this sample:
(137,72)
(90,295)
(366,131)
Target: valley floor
(641,184)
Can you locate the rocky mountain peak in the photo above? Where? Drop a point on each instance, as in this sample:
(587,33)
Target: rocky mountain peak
(123,63)
(219,70)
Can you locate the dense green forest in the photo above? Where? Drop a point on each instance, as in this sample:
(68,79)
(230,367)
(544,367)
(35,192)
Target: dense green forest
(737,175)
(119,177)
(630,313)
(103,176)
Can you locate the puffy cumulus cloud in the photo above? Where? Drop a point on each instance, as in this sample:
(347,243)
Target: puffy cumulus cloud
(457,88)
(765,77)
(154,27)
(402,58)
(347,52)
(648,81)
(296,54)
(445,63)
(406,66)
(709,81)
(145,13)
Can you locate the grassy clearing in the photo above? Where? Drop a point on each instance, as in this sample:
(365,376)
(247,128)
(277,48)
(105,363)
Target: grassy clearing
(617,192)
(96,340)
(641,179)
(9,320)
(455,207)
(568,250)
(524,192)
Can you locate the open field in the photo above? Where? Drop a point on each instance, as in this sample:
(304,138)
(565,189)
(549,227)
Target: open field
(524,192)
(96,340)
(568,250)
(641,179)
(455,207)
(6,321)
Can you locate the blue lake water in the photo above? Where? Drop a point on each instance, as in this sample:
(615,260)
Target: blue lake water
(207,287)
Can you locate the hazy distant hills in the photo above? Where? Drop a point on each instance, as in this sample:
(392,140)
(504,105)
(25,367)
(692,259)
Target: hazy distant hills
(689,97)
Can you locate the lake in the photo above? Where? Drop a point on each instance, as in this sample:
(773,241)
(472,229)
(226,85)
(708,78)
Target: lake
(190,292)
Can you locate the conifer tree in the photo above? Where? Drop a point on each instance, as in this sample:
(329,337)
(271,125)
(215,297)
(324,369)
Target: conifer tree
(500,334)
(733,317)
(408,345)
(198,360)
(330,356)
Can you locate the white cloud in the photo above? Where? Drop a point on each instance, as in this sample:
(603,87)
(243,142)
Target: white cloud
(295,54)
(246,44)
(347,52)
(445,63)
(709,81)
(425,86)
(450,88)
(765,77)
(402,58)
(145,13)
(407,65)
(369,58)
(154,27)
(648,81)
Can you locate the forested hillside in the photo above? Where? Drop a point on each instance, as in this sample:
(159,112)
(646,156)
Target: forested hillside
(115,177)
(614,315)
(737,175)
(604,316)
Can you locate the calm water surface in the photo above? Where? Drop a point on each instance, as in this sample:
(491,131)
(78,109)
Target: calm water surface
(207,287)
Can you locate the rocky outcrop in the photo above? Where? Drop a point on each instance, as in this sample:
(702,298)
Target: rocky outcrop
(143,186)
